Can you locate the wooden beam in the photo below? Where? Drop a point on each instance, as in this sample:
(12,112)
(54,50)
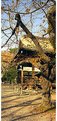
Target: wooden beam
(32,71)
(21,79)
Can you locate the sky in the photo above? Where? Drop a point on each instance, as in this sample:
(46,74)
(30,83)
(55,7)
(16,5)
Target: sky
(34,22)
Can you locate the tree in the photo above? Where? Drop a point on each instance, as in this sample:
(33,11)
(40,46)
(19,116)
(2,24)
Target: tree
(10,75)
(51,15)
(36,12)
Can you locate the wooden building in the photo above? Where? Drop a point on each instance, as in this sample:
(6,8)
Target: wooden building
(35,52)
(29,61)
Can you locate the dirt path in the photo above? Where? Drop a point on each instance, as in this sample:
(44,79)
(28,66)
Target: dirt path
(21,108)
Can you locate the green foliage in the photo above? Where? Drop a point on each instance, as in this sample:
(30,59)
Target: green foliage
(10,75)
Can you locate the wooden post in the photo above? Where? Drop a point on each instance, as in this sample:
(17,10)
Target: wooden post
(21,79)
(32,71)
(32,81)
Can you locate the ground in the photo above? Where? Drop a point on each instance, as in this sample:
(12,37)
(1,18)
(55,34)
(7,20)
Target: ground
(16,107)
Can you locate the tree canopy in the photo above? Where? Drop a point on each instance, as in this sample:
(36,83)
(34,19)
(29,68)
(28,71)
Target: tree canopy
(33,14)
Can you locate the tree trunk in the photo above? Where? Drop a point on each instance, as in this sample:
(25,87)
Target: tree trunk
(46,89)
(46,96)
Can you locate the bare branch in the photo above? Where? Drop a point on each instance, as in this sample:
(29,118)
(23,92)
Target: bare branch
(5,29)
(26,12)
(6,41)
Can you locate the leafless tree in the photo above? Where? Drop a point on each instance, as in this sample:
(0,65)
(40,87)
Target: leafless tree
(33,13)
